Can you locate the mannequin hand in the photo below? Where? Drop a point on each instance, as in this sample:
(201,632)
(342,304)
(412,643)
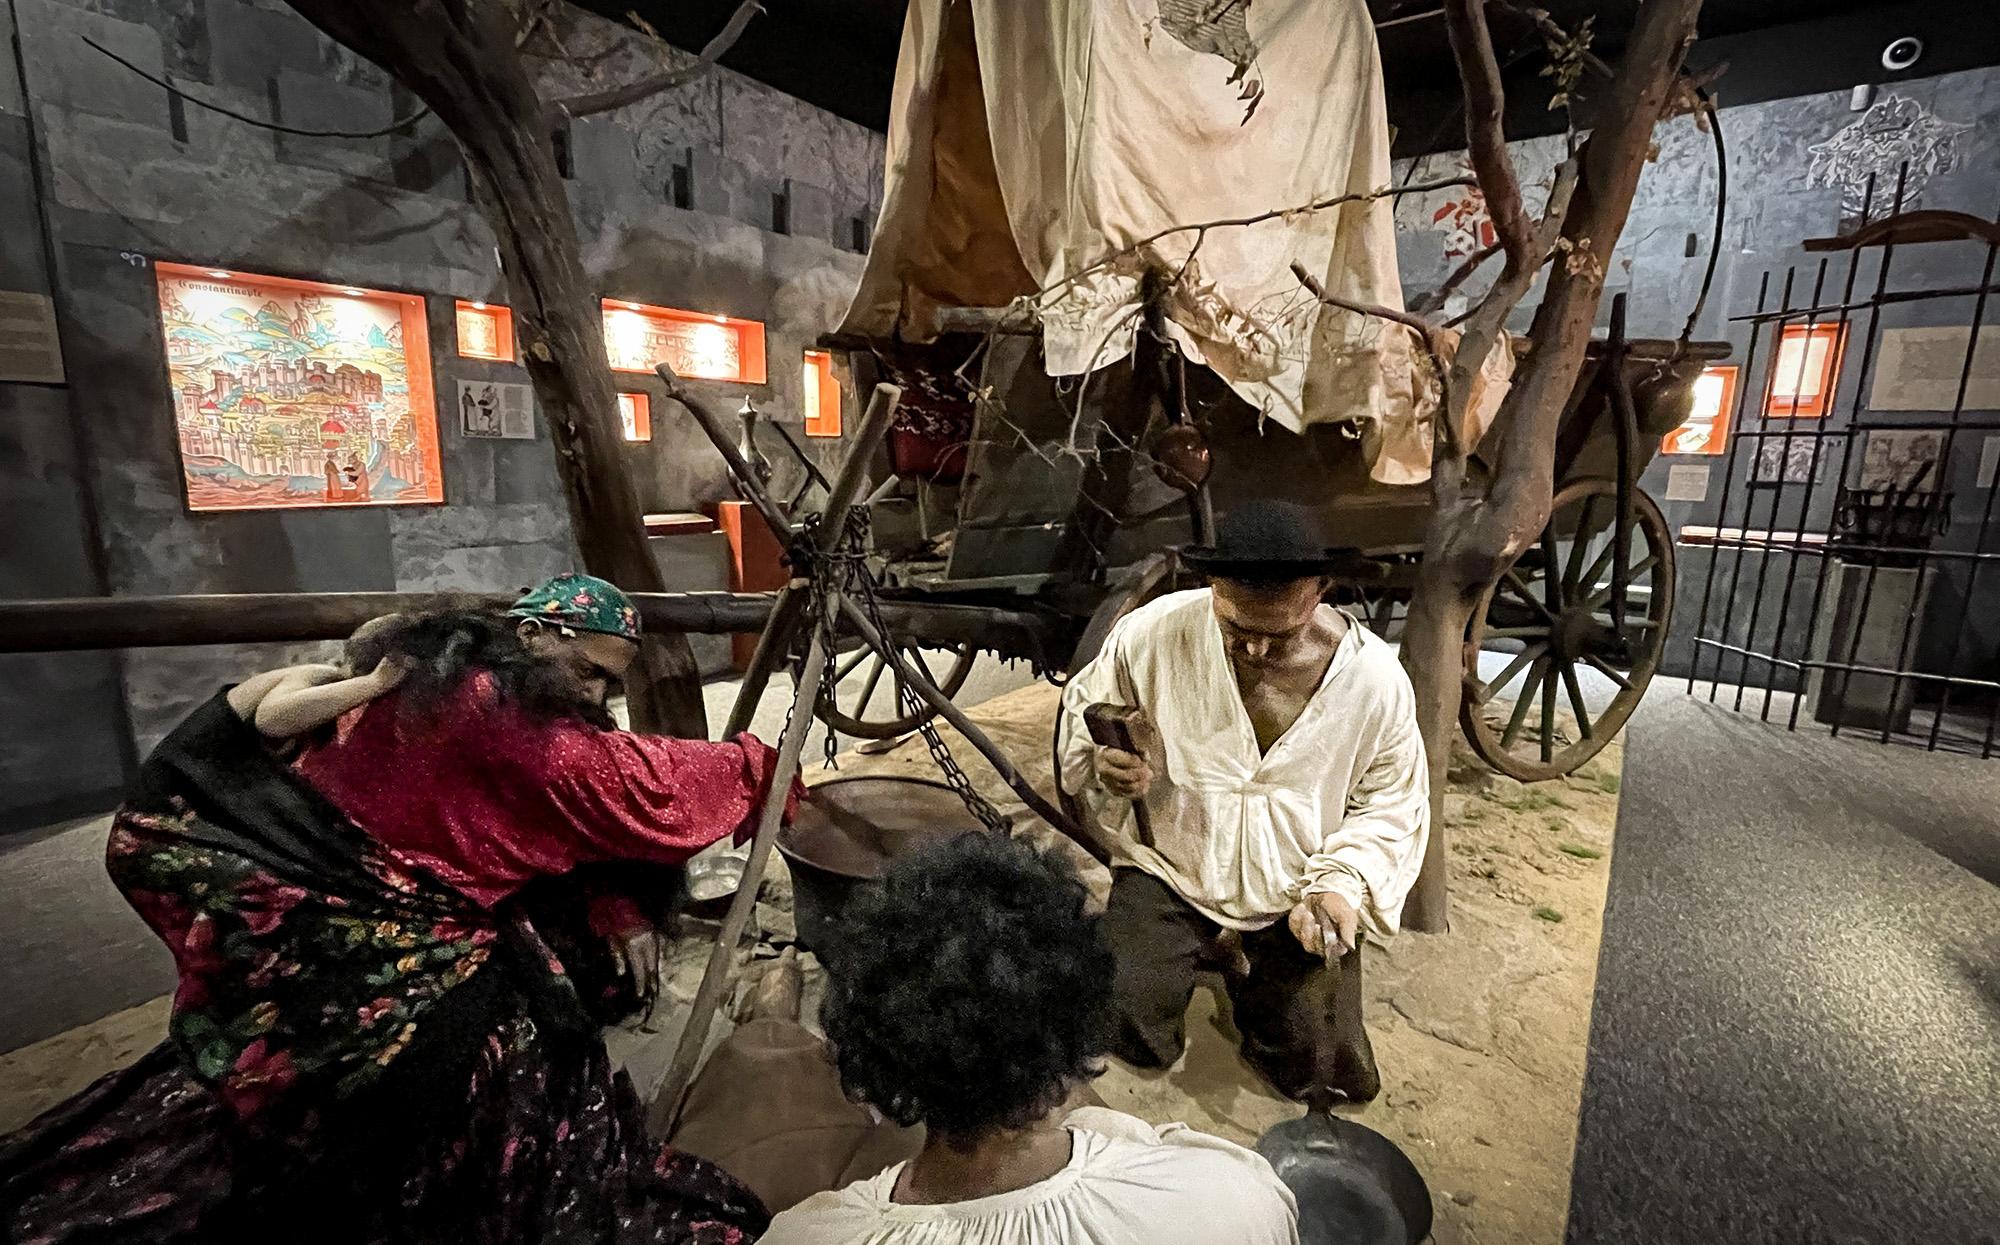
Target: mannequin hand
(1316,916)
(1124,774)
(638,955)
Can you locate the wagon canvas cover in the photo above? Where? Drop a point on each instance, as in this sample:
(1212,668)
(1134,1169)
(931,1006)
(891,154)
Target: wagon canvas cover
(1032,138)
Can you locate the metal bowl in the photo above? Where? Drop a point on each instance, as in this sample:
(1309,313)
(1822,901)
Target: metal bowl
(847,833)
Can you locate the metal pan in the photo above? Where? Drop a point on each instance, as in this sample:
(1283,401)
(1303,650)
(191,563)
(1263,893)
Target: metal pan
(1354,1186)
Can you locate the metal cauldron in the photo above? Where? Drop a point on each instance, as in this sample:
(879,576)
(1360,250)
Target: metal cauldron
(847,832)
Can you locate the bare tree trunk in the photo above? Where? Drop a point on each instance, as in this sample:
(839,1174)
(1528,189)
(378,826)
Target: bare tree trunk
(1470,538)
(1434,655)
(459,57)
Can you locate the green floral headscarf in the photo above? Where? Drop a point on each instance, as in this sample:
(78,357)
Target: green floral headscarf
(581,603)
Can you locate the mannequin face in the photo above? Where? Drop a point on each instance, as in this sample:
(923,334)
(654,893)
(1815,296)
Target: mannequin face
(1262,624)
(595,663)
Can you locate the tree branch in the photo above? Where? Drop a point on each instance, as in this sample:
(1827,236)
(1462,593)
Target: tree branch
(1202,228)
(1602,187)
(1437,297)
(1443,422)
(1485,104)
(632,92)
(1424,328)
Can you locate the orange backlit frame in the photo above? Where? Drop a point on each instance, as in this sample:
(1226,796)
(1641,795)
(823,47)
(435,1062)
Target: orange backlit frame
(485,331)
(1797,392)
(822,395)
(635,413)
(1706,431)
(699,347)
(203,496)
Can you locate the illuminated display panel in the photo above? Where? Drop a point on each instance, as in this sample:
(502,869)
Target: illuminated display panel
(1707,428)
(696,346)
(485,331)
(297,394)
(822,395)
(635,415)
(1805,371)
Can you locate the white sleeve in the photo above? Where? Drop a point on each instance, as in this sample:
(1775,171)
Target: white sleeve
(1373,857)
(1104,679)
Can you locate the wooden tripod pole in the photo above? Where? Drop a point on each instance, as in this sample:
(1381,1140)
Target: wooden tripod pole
(721,959)
(776,639)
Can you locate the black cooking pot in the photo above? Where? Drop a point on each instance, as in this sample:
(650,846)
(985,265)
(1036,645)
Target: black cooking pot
(847,833)
(1354,1186)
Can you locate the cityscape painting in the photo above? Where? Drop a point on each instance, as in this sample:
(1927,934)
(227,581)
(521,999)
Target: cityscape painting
(292,394)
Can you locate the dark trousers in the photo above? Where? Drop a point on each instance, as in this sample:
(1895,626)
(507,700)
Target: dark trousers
(1299,1019)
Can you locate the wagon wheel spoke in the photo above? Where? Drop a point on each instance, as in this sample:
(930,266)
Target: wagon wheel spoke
(1604,594)
(868,688)
(1607,671)
(1522,704)
(1521,662)
(1516,633)
(1548,713)
(1552,585)
(1602,564)
(1631,624)
(1512,580)
(861,656)
(1581,543)
(1575,690)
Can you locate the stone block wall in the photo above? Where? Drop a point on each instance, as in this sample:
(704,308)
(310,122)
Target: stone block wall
(1775,203)
(129,175)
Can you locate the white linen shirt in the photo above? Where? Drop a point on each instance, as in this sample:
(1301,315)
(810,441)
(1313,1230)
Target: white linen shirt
(1126,1183)
(1340,803)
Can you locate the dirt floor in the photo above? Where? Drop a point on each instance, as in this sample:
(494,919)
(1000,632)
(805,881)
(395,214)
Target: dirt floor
(1480,1033)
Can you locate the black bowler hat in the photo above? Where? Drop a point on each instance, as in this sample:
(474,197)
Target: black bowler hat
(1264,540)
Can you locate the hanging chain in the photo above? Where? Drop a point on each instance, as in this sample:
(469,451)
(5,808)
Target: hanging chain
(844,566)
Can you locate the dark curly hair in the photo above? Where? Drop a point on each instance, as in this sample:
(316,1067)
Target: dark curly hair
(974,991)
(447,645)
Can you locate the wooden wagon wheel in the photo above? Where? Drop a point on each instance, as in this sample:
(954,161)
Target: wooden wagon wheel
(851,705)
(1551,607)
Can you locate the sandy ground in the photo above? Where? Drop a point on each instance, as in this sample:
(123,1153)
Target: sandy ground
(1480,1033)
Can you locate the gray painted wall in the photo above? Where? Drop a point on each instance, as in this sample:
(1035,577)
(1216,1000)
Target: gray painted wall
(1774,205)
(89,472)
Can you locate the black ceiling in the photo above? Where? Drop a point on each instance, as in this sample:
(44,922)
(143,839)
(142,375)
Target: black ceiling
(841,54)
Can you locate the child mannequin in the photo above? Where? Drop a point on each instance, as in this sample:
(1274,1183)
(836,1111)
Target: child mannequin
(284,704)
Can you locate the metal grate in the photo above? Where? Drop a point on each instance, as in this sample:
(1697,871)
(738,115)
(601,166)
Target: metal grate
(1830,591)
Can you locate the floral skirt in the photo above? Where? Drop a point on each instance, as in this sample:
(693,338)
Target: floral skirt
(356,1053)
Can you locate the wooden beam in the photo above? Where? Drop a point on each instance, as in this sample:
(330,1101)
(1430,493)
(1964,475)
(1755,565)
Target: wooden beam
(81,623)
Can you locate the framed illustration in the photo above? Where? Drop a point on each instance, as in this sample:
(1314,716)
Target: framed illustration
(493,410)
(1706,429)
(822,395)
(1893,458)
(1805,371)
(700,347)
(1779,463)
(297,394)
(485,331)
(635,414)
